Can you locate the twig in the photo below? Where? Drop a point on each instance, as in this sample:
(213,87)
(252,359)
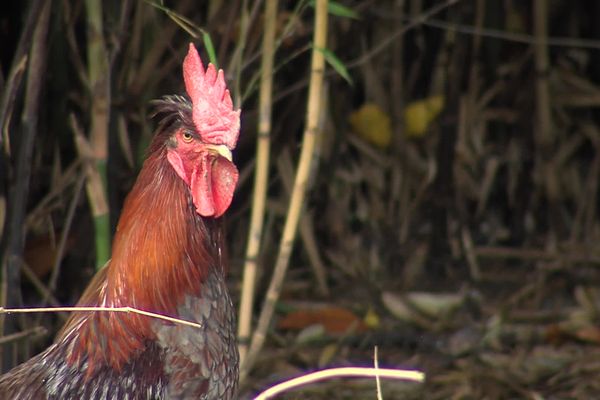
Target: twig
(467,243)
(390,39)
(65,234)
(377,377)
(534,255)
(260,179)
(524,38)
(47,292)
(300,184)
(14,337)
(179,321)
(150,63)
(40,287)
(50,200)
(71,38)
(13,83)
(10,91)
(235,65)
(286,171)
(355,372)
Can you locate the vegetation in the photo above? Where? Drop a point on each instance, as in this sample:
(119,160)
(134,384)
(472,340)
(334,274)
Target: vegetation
(444,179)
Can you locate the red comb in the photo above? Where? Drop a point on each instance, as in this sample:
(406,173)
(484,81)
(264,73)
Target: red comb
(212,109)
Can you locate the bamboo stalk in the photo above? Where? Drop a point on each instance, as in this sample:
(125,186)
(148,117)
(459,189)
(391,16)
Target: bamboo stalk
(300,184)
(99,82)
(260,179)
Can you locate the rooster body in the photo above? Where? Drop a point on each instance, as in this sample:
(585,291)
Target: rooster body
(168,258)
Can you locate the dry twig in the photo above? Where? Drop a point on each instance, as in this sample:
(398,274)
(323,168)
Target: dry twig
(354,372)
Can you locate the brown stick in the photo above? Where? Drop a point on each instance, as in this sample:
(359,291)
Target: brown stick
(533,255)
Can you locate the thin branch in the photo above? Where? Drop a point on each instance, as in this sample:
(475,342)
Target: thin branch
(15,337)
(524,38)
(179,321)
(377,377)
(306,226)
(353,372)
(65,233)
(392,38)
(14,80)
(42,289)
(236,63)
(525,254)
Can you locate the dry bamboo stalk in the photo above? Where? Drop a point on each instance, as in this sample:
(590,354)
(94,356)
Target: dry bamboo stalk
(300,183)
(260,179)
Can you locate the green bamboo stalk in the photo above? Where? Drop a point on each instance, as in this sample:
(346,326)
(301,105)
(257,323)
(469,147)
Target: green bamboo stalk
(300,184)
(260,178)
(99,83)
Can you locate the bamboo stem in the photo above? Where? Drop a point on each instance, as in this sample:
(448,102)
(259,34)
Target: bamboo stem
(260,179)
(99,81)
(300,184)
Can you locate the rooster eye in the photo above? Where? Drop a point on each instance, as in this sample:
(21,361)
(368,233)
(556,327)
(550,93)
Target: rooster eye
(187,137)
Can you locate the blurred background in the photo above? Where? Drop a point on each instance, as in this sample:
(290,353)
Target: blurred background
(451,217)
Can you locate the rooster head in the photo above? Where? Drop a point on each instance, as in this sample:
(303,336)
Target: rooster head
(201,154)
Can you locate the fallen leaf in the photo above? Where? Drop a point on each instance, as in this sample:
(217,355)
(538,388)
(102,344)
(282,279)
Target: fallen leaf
(335,320)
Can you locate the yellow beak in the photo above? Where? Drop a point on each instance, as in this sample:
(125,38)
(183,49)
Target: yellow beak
(220,149)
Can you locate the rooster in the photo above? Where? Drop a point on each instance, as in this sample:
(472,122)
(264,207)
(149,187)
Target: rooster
(168,258)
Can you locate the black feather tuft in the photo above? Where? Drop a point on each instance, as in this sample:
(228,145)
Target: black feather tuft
(174,112)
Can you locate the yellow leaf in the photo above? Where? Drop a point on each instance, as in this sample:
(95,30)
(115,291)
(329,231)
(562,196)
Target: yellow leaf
(372,124)
(371,319)
(418,115)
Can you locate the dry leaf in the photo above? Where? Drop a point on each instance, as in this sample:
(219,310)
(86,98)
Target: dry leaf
(335,320)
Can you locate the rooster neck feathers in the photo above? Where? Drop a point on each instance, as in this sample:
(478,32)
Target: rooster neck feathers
(167,239)
(162,251)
